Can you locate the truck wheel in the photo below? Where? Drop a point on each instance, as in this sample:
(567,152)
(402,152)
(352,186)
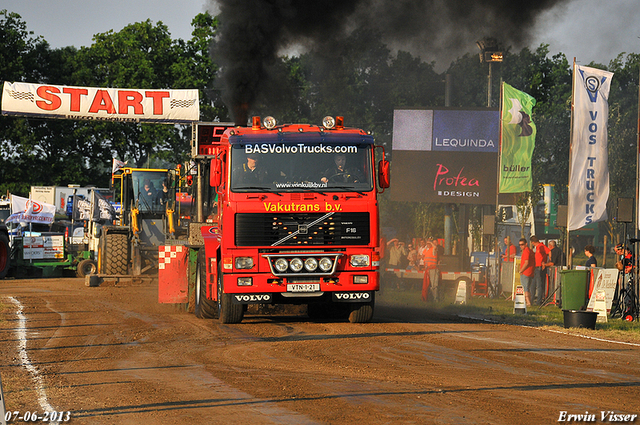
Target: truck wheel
(116,256)
(86,267)
(204,308)
(362,312)
(5,252)
(228,312)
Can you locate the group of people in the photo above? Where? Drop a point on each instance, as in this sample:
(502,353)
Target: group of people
(411,257)
(534,263)
(424,257)
(625,258)
(150,197)
(538,258)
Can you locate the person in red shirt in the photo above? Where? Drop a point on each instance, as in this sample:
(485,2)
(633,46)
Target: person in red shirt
(542,258)
(431,279)
(527,266)
(509,251)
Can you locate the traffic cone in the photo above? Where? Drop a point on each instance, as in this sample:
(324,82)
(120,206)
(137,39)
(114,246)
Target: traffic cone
(520,305)
(461,294)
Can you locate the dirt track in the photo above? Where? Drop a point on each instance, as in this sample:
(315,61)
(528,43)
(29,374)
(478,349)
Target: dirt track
(113,355)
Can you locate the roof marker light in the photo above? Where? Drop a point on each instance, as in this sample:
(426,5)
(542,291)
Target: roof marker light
(269,123)
(328,122)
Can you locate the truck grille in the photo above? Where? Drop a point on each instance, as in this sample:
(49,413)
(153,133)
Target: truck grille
(264,229)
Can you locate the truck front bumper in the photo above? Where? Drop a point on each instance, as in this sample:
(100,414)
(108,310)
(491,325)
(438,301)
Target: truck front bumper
(342,286)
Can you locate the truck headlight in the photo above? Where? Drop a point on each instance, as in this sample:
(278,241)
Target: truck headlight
(310,264)
(360,261)
(281,265)
(296,264)
(244,262)
(325,264)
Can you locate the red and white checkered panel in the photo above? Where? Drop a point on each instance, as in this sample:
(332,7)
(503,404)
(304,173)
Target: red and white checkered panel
(173,277)
(168,252)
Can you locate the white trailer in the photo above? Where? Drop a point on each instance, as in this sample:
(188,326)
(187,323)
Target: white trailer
(59,195)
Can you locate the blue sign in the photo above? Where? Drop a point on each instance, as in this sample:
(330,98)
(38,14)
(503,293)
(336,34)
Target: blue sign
(465,131)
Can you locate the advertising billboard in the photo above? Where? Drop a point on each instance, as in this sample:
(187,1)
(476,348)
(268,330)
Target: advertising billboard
(94,103)
(445,156)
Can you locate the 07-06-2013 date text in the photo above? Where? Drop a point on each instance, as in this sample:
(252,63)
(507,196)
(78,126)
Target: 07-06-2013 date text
(37,417)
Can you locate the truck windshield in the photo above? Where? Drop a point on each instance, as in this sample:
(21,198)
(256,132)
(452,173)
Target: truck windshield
(149,190)
(300,167)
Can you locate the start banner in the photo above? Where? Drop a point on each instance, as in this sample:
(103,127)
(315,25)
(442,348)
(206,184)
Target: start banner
(92,103)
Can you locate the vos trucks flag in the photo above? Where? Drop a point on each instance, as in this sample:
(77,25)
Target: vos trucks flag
(92,103)
(589,176)
(518,140)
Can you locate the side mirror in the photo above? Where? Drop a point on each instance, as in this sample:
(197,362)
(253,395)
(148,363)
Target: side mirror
(215,178)
(384,177)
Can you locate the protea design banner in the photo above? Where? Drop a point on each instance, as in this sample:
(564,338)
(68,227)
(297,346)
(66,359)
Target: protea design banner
(445,155)
(92,103)
(518,140)
(589,177)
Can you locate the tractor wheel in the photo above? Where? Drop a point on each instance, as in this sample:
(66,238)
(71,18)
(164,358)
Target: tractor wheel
(116,255)
(86,267)
(204,308)
(228,312)
(5,253)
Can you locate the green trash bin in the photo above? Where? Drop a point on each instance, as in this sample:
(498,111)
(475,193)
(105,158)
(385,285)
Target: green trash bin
(574,284)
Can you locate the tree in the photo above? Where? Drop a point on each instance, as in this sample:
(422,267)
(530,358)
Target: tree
(142,55)
(22,58)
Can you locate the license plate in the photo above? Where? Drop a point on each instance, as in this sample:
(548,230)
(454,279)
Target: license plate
(303,287)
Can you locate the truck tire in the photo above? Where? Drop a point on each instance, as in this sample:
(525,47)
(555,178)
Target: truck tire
(86,267)
(228,312)
(204,308)
(5,253)
(362,312)
(116,256)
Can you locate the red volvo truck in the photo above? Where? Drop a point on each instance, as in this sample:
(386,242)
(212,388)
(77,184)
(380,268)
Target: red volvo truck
(282,214)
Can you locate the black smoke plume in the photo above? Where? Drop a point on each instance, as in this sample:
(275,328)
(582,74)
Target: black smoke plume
(254,32)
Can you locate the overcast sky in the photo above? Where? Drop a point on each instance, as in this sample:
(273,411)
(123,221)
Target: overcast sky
(590,30)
